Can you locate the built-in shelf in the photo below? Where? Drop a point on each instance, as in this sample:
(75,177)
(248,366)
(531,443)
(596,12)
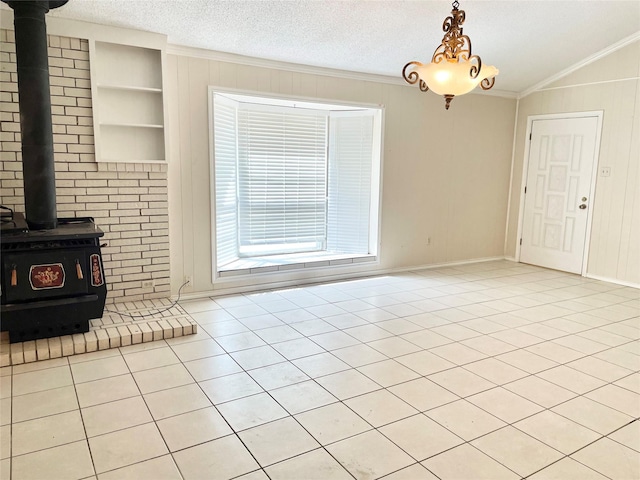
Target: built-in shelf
(127,87)
(134,160)
(132,125)
(128,103)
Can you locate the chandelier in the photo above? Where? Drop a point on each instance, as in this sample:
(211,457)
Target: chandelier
(453,69)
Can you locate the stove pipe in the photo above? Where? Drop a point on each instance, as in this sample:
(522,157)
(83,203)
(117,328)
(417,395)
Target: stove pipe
(35,110)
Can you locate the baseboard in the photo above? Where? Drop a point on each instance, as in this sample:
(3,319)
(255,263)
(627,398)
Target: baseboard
(433,266)
(613,280)
(328,278)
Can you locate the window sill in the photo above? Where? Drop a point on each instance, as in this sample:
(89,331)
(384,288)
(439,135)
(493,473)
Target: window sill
(292,261)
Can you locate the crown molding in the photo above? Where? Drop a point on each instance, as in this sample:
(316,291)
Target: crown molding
(634,37)
(193,52)
(278,65)
(494,93)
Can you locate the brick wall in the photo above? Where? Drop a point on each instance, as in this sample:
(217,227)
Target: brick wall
(127,200)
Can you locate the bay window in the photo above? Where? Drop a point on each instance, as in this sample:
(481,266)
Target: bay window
(293,177)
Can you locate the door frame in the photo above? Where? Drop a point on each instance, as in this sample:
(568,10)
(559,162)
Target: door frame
(594,174)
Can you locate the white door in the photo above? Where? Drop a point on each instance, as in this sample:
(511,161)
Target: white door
(562,156)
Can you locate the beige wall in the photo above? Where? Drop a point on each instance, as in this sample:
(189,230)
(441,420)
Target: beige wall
(445,173)
(612,85)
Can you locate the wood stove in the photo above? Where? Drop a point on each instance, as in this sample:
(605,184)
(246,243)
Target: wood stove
(52,280)
(51,276)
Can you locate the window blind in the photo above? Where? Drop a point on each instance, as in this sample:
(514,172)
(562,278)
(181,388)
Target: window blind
(281,179)
(225,133)
(349,183)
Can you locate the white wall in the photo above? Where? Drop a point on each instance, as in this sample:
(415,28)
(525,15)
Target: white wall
(445,173)
(611,84)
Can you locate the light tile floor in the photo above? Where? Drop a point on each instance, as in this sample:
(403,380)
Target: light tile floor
(484,371)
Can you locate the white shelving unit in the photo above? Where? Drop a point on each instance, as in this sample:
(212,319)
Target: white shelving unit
(128,103)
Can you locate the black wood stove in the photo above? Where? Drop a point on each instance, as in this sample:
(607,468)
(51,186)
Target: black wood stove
(52,280)
(51,275)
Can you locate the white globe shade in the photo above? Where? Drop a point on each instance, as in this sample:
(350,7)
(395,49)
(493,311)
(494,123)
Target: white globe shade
(452,77)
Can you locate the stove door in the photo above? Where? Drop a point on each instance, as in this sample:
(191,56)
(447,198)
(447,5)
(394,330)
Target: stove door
(32,275)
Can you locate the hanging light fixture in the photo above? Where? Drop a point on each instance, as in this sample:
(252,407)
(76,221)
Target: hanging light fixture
(453,69)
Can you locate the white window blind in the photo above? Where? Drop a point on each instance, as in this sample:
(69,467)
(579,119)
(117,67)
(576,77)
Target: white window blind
(350,170)
(281,179)
(225,139)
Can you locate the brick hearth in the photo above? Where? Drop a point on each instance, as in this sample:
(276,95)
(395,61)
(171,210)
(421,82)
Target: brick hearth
(122,324)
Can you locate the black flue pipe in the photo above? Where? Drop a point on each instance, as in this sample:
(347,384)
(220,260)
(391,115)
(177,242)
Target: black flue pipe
(35,111)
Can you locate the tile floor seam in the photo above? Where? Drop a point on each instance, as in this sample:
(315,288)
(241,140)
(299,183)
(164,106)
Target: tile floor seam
(144,399)
(544,408)
(512,424)
(568,455)
(403,468)
(84,427)
(551,368)
(618,442)
(341,439)
(494,459)
(469,442)
(125,428)
(430,456)
(531,374)
(132,464)
(233,430)
(593,390)
(47,448)
(304,428)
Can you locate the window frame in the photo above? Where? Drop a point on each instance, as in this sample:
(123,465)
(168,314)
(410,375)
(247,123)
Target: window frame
(375,212)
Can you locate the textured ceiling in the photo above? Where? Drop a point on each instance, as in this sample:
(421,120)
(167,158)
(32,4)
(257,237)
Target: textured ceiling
(528,41)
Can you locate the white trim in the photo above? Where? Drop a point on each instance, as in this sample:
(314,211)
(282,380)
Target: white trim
(494,92)
(523,182)
(587,84)
(513,161)
(292,98)
(212,184)
(594,173)
(218,56)
(576,66)
(592,191)
(613,280)
(376,194)
(193,52)
(243,273)
(327,278)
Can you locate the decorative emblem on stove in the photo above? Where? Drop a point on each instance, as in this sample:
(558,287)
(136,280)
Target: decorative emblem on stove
(96,271)
(44,277)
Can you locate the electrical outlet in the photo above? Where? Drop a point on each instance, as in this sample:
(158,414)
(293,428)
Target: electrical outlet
(148,283)
(188,280)
(605,171)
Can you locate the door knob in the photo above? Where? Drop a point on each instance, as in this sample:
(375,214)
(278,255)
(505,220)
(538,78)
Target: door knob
(582,207)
